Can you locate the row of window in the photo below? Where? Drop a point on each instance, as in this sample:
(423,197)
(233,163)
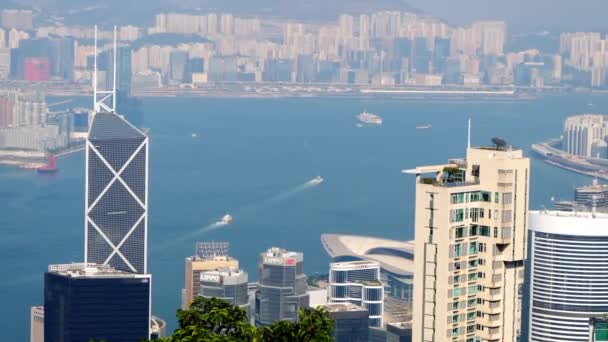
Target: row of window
(474,247)
(473,230)
(462,278)
(475,214)
(473,196)
(463,265)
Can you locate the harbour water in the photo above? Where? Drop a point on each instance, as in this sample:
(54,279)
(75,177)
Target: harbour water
(253,159)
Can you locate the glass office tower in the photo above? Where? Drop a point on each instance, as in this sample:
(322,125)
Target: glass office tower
(282,290)
(84,301)
(116,194)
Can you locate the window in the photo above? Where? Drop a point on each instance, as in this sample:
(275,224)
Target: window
(473,263)
(486,196)
(481,247)
(455,318)
(475,170)
(506,216)
(472,302)
(456,215)
(460,232)
(473,248)
(455,305)
(457,266)
(458,198)
(455,332)
(496,196)
(507,198)
(472,289)
(457,279)
(495,232)
(472,276)
(473,230)
(485,231)
(475,196)
(470,329)
(456,292)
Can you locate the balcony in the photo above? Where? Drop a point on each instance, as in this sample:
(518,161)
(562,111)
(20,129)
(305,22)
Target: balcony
(490,334)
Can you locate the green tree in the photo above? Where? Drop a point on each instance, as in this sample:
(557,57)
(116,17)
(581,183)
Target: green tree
(217,321)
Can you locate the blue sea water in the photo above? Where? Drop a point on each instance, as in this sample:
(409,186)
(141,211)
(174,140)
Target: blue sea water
(251,158)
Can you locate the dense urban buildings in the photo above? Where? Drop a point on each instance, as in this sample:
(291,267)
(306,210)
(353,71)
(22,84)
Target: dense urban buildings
(383,49)
(351,322)
(282,286)
(116,194)
(209,256)
(84,301)
(471,242)
(568,273)
(358,282)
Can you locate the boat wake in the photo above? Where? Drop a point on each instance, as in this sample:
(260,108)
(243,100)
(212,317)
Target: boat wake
(244,211)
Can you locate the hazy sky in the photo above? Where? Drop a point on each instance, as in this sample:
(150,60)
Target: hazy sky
(569,14)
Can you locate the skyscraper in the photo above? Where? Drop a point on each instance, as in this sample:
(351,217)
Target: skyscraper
(569,268)
(116,224)
(282,290)
(358,282)
(84,301)
(229,285)
(471,240)
(209,256)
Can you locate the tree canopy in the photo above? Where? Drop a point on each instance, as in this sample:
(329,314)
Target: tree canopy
(217,321)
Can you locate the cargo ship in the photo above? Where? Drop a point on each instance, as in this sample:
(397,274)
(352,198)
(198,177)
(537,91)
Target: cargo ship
(369,118)
(50,167)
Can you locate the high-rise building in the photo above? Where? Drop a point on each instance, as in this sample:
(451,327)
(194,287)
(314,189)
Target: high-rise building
(585,135)
(116,224)
(84,301)
(569,268)
(351,322)
(37,324)
(229,285)
(471,242)
(282,290)
(358,282)
(17,19)
(209,256)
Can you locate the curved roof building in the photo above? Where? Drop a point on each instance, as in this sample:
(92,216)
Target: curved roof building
(395,257)
(569,272)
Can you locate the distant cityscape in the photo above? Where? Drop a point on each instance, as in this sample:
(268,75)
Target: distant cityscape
(388,49)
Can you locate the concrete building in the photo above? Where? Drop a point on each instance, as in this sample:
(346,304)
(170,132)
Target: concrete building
(569,267)
(229,285)
(358,282)
(471,242)
(37,324)
(209,256)
(84,301)
(585,135)
(351,322)
(282,286)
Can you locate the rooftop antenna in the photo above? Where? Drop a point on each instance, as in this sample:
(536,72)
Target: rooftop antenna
(102,97)
(469,134)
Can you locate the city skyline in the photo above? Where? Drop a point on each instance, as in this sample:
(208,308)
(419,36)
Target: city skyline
(276,137)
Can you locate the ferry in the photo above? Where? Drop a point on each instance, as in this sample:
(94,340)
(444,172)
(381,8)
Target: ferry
(369,118)
(424,126)
(227,219)
(316,180)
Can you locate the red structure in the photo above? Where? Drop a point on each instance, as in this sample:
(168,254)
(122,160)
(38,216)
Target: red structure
(37,69)
(50,167)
